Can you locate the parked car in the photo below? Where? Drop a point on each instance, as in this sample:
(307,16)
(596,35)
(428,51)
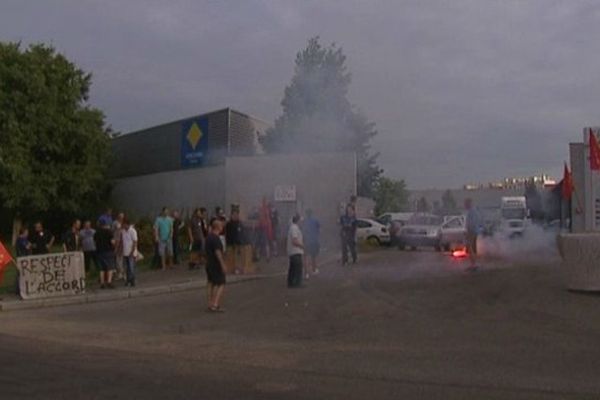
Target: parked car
(452,232)
(389,217)
(422,230)
(372,231)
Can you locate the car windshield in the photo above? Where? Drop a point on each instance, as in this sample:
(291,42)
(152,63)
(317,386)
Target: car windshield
(426,220)
(513,213)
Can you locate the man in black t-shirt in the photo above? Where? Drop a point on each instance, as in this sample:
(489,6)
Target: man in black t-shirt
(41,241)
(215,266)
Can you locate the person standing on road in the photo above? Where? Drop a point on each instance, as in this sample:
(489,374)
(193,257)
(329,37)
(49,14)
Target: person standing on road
(105,255)
(129,241)
(163,235)
(348,234)
(295,250)
(473,223)
(71,237)
(233,238)
(274,230)
(196,235)
(86,238)
(41,241)
(266,229)
(311,230)
(215,266)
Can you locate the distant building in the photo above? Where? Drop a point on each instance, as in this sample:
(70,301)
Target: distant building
(485,196)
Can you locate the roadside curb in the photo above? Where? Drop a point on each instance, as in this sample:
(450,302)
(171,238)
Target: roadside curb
(98,297)
(16,305)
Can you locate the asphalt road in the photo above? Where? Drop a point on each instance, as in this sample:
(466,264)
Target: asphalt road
(398,325)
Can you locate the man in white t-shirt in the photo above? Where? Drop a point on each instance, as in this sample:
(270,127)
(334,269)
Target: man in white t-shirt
(129,241)
(295,250)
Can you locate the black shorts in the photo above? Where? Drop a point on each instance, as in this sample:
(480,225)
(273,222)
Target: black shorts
(215,275)
(197,246)
(312,249)
(106,261)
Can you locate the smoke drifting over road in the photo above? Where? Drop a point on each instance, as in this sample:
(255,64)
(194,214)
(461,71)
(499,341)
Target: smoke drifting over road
(535,246)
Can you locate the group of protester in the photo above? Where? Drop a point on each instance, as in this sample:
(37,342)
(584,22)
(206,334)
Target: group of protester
(111,247)
(303,243)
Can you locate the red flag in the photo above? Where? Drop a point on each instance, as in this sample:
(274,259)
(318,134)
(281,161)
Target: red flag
(5,259)
(594,152)
(567,184)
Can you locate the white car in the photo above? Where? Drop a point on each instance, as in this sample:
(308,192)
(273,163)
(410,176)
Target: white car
(389,217)
(453,232)
(372,231)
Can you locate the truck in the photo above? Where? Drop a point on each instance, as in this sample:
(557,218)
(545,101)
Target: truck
(514,216)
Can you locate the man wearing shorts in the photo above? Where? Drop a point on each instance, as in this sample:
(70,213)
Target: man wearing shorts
(163,235)
(105,255)
(311,232)
(215,266)
(473,223)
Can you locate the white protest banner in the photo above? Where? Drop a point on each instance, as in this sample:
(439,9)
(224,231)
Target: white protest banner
(51,275)
(285,193)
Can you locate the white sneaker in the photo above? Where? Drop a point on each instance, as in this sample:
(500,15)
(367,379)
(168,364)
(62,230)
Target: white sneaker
(307,276)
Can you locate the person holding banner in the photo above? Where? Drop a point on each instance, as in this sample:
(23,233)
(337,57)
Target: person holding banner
(41,241)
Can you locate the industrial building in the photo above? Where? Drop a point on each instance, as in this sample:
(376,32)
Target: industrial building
(215,159)
(202,140)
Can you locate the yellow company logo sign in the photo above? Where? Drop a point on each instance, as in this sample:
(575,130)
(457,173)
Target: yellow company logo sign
(194,135)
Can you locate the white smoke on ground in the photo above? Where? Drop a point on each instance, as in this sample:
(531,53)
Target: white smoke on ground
(536,246)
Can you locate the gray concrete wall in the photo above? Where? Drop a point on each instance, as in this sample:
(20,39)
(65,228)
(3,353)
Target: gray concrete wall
(144,196)
(322,182)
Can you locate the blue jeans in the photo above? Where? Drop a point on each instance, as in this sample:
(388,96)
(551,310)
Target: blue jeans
(129,262)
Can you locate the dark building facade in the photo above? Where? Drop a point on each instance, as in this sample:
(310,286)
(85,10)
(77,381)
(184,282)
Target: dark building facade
(201,140)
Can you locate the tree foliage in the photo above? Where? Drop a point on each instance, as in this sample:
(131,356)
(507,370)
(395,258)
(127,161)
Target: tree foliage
(423,205)
(390,195)
(317,115)
(54,147)
(448,202)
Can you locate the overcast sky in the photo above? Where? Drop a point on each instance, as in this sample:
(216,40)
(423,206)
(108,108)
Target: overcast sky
(461,91)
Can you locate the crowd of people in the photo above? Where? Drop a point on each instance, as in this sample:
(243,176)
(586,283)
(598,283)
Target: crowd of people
(111,244)
(111,248)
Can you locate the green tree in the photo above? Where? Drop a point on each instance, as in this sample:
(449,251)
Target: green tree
(54,147)
(448,202)
(390,195)
(317,115)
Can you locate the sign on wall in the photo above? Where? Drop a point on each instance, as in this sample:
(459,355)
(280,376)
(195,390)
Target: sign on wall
(194,142)
(51,275)
(285,193)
